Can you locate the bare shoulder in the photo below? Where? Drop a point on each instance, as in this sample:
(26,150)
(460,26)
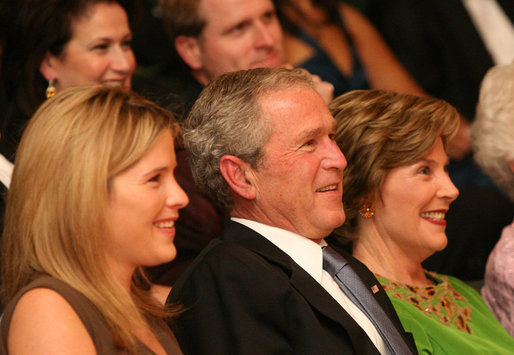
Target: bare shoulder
(43,322)
(355,20)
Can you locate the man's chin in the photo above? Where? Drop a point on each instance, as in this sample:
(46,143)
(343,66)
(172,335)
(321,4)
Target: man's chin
(270,62)
(338,219)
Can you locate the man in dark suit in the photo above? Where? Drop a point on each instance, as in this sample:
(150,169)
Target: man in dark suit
(209,38)
(261,144)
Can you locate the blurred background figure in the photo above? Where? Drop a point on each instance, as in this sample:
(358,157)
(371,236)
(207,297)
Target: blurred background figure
(85,211)
(493,143)
(396,195)
(447,45)
(209,38)
(50,45)
(334,40)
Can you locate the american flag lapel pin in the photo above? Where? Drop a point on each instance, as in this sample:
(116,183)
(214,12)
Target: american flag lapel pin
(374,289)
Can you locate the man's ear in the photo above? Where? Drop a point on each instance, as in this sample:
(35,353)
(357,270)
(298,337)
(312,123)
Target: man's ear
(189,50)
(47,67)
(237,173)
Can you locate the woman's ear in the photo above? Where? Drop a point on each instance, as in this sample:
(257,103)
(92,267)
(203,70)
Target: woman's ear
(47,67)
(237,173)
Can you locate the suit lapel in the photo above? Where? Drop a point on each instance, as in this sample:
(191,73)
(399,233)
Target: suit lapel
(321,300)
(309,288)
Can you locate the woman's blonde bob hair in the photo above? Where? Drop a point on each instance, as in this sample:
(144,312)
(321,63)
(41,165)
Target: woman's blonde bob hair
(74,145)
(380,130)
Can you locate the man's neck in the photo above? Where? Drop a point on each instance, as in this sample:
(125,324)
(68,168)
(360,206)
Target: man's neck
(200,76)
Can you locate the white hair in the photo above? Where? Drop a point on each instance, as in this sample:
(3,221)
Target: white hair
(493,129)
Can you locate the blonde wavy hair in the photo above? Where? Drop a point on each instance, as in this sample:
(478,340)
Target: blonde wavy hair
(73,147)
(380,130)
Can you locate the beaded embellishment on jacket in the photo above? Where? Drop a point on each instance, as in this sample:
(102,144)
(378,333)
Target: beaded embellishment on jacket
(440,301)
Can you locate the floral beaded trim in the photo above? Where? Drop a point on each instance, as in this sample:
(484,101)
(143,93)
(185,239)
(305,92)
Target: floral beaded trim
(440,302)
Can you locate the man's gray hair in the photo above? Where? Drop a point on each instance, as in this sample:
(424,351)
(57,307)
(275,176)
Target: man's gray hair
(227,119)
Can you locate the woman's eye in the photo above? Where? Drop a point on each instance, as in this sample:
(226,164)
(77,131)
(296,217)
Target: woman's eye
(268,16)
(155,178)
(425,170)
(237,29)
(102,46)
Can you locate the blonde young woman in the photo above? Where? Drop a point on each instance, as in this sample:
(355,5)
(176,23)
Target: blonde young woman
(396,194)
(93,198)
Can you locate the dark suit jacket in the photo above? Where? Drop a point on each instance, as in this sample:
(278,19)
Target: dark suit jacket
(243,295)
(438,44)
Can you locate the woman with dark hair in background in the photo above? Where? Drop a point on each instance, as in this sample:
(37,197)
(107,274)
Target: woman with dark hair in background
(51,45)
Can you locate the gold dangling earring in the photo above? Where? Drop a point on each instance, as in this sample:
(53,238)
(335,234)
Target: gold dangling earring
(367,211)
(50,90)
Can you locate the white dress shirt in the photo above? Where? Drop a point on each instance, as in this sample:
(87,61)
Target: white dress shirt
(6,168)
(309,256)
(494,27)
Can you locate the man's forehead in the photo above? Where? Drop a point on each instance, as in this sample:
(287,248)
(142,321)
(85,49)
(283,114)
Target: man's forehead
(296,107)
(229,12)
(216,8)
(286,97)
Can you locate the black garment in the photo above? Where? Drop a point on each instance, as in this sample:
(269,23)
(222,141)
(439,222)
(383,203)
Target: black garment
(437,42)
(170,85)
(243,295)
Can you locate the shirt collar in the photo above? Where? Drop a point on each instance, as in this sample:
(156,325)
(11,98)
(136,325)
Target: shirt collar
(305,252)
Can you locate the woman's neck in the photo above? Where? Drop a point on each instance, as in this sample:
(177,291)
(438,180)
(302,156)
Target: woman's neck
(387,259)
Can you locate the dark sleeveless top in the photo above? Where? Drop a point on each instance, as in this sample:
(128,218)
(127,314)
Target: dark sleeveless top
(321,64)
(90,317)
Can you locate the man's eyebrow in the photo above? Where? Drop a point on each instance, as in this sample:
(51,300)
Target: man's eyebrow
(231,26)
(309,134)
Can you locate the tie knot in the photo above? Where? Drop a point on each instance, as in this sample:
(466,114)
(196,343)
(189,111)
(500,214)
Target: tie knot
(333,262)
